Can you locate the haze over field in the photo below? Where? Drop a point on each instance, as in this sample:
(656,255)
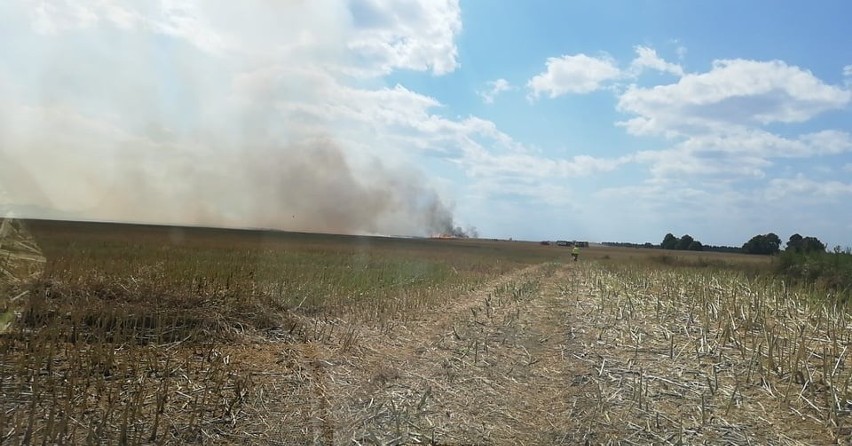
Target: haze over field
(535,120)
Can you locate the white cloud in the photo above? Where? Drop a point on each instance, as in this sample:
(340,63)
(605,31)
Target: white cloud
(714,212)
(734,92)
(716,119)
(484,163)
(664,195)
(847,70)
(502,190)
(494,89)
(679,162)
(802,187)
(372,37)
(647,58)
(415,35)
(764,144)
(573,74)
(742,153)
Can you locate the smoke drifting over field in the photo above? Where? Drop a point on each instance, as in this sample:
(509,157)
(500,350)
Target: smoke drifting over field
(313,187)
(305,186)
(221,116)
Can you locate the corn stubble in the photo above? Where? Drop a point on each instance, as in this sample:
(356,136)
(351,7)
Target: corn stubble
(684,356)
(134,336)
(128,336)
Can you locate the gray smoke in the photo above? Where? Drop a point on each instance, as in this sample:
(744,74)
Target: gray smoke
(218,125)
(311,186)
(306,186)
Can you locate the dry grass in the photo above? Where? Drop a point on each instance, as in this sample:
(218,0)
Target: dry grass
(150,335)
(131,334)
(713,357)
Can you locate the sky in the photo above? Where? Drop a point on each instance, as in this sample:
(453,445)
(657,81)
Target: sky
(535,120)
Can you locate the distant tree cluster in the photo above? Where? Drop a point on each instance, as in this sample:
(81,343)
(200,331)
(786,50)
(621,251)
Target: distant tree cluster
(769,244)
(630,245)
(722,248)
(805,260)
(684,243)
(766,244)
(800,244)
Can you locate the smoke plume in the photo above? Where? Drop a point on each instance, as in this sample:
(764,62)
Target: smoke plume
(183,116)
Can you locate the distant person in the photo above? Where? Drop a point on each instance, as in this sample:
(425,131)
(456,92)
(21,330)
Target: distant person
(575,252)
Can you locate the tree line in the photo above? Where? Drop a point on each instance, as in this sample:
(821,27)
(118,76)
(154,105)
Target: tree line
(802,259)
(769,244)
(763,244)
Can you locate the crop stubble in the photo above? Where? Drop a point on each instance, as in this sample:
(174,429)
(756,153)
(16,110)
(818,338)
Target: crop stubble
(142,335)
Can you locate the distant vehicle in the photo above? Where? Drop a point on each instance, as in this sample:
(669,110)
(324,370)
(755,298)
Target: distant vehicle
(545,243)
(563,243)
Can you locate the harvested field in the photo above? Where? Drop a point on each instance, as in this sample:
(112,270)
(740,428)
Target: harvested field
(153,335)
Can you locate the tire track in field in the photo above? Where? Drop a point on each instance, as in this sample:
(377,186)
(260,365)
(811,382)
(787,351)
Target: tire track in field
(518,361)
(490,369)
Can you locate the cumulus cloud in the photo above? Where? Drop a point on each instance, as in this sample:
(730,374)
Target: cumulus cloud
(742,153)
(716,119)
(483,163)
(678,162)
(647,58)
(803,187)
(581,74)
(378,35)
(734,92)
(494,89)
(517,190)
(416,35)
(577,74)
(658,195)
(715,212)
(765,144)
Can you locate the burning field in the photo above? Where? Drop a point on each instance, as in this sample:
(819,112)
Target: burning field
(170,335)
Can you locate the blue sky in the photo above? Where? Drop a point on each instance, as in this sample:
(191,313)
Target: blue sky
(605,121)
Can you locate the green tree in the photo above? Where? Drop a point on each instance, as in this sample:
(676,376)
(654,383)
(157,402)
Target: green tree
(774,242)
(794,243)
(696,246)
(812,244)
(684,242)
(669,241)
(766,244)
(800,244)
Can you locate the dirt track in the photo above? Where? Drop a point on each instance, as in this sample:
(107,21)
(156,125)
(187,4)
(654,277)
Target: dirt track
(516,362)
(488,368)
